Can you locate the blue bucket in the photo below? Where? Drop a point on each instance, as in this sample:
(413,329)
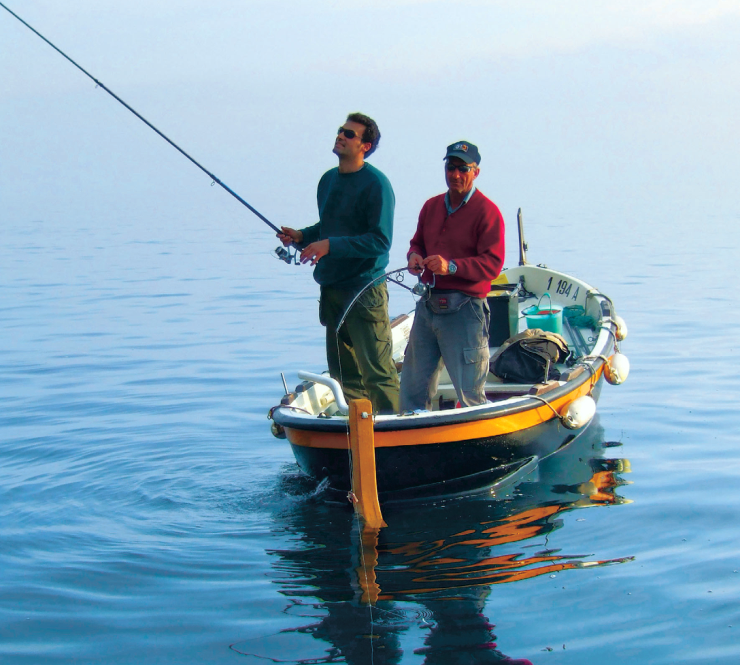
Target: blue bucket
(548,319)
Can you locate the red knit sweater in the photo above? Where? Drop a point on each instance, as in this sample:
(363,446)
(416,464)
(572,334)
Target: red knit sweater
(472,237)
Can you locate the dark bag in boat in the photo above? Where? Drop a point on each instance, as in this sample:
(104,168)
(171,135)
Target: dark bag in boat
(526,357)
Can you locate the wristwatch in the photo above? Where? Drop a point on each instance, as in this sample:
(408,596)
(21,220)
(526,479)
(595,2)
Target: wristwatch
(451,267)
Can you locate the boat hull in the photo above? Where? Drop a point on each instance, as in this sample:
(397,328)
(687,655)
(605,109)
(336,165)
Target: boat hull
(422,465)
(471,450)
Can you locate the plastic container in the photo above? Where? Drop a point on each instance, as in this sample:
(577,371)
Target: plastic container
(549,319)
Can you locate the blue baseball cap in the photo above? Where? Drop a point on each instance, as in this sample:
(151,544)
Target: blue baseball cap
(465,151)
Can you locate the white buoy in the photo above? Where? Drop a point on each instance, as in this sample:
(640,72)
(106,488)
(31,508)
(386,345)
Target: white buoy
(579,412)
(617,369)
(621,327)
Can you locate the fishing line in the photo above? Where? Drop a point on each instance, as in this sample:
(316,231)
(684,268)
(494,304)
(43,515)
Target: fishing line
(422,290)
(358,522)
(351,495)
(149,124)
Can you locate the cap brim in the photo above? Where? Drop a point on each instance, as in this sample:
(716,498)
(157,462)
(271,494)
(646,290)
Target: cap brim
(460,155)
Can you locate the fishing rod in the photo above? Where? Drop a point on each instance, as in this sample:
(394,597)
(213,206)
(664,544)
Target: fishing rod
(421,289)
(281,253)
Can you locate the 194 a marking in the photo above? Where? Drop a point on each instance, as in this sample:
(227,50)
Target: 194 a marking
(563,288)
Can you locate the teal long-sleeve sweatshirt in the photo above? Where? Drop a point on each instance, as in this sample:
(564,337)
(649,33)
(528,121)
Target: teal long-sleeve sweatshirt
(356,215)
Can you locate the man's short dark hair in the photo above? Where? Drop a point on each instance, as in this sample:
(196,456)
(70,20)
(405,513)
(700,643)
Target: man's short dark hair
(371,134)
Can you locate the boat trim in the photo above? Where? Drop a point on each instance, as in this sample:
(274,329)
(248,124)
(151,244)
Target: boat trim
(457,425)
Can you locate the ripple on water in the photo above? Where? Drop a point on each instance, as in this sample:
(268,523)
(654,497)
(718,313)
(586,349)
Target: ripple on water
(148,515)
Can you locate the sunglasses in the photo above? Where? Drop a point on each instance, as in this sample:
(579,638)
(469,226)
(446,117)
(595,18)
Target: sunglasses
(463,168)
(349,133)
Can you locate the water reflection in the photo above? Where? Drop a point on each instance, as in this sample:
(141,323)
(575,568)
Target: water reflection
(421,584)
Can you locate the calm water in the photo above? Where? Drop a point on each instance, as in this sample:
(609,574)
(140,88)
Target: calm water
(147,515)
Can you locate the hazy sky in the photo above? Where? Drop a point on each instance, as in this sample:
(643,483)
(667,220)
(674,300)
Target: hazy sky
(576,101)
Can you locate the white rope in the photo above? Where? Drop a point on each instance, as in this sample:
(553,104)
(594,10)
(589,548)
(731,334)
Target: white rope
(544,401)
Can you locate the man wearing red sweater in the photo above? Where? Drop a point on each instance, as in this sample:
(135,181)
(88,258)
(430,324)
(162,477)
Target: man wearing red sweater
(459,248)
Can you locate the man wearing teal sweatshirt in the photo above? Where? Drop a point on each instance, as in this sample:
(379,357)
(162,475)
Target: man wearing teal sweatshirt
(349,247)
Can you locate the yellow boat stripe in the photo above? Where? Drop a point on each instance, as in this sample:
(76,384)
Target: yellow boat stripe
(477,429)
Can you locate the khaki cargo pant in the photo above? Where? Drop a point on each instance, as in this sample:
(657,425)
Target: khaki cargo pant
(449,328)
(360,356)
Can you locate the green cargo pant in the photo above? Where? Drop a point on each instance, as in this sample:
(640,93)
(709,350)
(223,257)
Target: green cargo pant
(360,356)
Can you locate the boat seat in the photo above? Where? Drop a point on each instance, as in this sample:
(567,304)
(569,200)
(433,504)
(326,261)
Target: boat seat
(446,397)
(504,390)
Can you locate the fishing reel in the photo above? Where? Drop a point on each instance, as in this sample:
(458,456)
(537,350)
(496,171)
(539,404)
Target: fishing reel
(422,289)
(285,254)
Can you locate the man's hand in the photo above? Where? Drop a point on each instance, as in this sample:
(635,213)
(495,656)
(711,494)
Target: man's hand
(289,236)
(315,251)
(416,264)
(437,264)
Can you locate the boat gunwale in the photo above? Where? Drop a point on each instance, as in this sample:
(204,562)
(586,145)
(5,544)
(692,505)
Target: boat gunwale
(287,417)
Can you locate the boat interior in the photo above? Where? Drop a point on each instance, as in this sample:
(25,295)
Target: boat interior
(519,291)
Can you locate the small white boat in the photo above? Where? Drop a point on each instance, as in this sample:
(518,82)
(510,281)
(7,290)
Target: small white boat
(451,449)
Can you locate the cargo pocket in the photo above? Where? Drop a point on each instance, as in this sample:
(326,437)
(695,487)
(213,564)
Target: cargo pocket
(371,336)
(372,308)
(475,356)
(372,298)
(475,369)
